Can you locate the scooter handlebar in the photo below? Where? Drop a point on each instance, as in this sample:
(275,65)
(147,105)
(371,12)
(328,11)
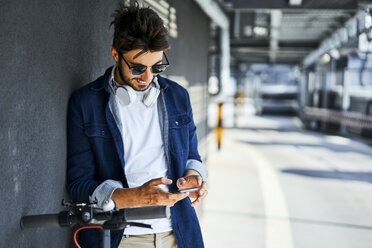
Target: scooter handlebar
(42,220)
(143,213)
(65,218)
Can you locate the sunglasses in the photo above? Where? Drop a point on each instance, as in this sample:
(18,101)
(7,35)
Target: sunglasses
(139,69)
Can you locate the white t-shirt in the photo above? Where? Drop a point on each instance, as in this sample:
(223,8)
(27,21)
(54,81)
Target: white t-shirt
(144,153)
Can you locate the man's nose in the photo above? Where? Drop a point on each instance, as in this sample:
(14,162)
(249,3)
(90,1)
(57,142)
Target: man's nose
(147,75)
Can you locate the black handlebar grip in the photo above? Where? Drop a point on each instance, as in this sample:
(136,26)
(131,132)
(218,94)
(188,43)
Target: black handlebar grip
(43,220)
(143,213)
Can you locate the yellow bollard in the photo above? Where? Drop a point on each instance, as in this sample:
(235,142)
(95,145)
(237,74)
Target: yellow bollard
(219,128)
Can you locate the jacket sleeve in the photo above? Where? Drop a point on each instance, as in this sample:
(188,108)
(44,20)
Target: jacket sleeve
(81,170)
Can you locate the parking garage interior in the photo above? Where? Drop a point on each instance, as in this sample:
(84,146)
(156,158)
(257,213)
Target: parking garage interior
(281,92)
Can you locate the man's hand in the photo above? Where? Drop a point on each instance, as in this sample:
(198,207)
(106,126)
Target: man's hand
(152,194)
(190,180)
(149,194)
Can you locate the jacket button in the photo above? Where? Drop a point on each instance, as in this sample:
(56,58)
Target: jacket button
(103,132)
(176,123)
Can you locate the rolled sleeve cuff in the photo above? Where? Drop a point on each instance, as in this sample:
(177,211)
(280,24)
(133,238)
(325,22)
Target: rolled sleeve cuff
(193,164)
(102,194)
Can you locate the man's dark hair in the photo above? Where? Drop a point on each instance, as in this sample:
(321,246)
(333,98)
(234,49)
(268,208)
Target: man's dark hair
(138,28)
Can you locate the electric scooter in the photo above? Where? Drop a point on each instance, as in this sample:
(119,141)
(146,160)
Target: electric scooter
(84,215)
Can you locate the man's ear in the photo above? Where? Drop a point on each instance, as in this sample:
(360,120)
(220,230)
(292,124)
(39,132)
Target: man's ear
(114,53)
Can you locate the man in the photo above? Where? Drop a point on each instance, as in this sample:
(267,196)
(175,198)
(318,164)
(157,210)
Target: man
(132,138)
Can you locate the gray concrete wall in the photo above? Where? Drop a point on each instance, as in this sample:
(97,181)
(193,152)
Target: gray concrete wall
(48,49)
(189,59)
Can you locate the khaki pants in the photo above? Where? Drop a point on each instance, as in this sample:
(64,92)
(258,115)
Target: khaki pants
(156,240)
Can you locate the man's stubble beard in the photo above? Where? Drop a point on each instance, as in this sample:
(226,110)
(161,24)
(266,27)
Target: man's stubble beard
(128,81)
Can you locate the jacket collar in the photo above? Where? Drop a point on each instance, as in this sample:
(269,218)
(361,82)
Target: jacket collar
(162,82)
(103,83)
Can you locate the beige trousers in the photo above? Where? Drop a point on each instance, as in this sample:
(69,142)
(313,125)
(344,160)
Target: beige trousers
(156,240)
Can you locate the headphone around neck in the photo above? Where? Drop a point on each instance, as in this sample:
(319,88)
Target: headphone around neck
(127,95)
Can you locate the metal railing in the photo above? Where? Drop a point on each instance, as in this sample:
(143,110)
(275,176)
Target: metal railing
(352,119)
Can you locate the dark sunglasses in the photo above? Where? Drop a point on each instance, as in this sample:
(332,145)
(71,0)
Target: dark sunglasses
(139,69)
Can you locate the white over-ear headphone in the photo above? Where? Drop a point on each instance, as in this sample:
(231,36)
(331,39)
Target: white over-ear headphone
(127,95)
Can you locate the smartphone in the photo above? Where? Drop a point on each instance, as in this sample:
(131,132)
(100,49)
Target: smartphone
(186,190)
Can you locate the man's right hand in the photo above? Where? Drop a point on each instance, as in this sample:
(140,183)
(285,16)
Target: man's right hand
(152,194)
(149,194)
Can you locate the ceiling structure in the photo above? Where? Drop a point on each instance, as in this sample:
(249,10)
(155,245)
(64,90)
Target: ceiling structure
(283,31)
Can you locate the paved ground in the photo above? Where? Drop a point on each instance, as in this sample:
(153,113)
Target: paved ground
(275,185)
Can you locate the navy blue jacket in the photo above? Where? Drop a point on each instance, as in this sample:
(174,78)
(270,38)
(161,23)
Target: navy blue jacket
(95,152)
